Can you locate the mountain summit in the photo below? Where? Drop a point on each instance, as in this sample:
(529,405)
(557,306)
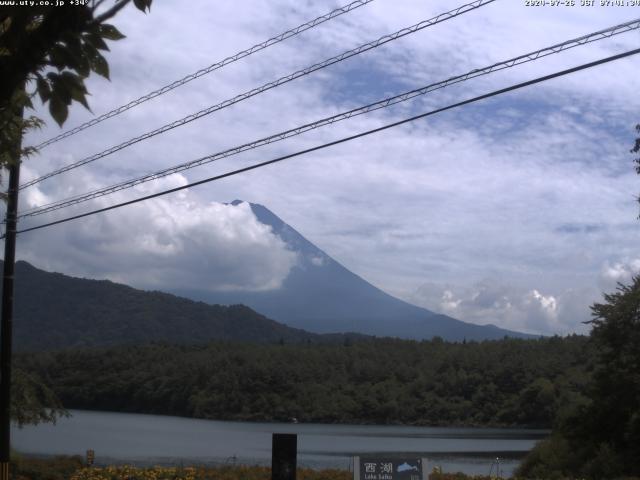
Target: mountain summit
(320,295)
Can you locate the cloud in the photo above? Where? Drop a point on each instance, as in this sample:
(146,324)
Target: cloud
(571,228)
(510,307)
(618,271)
(317,261)
(169,243)
(537,305)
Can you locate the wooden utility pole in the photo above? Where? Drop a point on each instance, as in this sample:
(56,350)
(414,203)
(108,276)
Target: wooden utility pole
(6,323)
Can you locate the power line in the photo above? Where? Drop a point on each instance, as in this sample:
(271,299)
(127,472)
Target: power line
(528,57)
(215,66)
(268,86)
(342,140)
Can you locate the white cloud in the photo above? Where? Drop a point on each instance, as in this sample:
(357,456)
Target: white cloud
(619,271)
(511,307)
(167,243)
(317,261)
(449,303)
(545,306)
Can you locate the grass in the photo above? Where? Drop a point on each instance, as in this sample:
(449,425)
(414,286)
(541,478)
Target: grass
(54,468)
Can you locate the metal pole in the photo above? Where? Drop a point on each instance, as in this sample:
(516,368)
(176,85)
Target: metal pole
(6,324)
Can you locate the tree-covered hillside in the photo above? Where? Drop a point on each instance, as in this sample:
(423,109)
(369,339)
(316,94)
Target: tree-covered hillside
(507,382)
(54,311)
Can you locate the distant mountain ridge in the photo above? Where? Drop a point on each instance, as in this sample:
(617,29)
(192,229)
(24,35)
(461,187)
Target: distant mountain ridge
(54,311)
(320,295)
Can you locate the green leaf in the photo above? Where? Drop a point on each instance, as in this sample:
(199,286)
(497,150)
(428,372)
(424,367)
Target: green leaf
(58,110)
(99,65)
(84,68)
(60,90)
(44,90)
(73,81)
(96,41)
(76,88)
(58,57)
(74,47)
(110,32)
(33,122)
(79,97)
(142,5)
(89,52)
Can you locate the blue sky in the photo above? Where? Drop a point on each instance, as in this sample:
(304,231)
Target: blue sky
(518,211)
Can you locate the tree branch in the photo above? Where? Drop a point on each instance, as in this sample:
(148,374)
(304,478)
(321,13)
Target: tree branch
(96,4)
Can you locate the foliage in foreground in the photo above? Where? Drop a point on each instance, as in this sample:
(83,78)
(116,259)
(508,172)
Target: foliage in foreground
(70,468)
(48,51)
(199,473)
(601,438)
(32,402)
(228,473)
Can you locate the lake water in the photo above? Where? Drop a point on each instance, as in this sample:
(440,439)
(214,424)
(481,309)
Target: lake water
(151,439)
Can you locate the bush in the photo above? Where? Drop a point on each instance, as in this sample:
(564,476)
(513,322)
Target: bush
(549,459)
(55,468)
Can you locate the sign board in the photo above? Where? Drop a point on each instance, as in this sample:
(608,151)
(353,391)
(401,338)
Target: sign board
(389,468)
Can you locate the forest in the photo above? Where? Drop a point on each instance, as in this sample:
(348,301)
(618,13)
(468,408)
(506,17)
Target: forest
(509,382)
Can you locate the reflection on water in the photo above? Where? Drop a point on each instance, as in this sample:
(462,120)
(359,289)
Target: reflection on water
(150,439)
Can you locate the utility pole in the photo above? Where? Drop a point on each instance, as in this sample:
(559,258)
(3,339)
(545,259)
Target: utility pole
(6,323)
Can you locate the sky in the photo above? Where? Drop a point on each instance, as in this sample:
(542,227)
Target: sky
(520,210)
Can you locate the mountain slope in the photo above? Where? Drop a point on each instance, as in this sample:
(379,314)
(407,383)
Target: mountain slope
(320,295)
(56,311)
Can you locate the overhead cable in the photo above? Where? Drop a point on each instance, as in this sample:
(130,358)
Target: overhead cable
(528,57)
(215,66)
(268,86)
(342,140)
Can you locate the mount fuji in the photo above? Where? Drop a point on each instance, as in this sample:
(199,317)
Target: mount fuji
(322,296)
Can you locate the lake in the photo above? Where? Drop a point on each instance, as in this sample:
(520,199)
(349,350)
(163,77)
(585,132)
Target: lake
(151,439)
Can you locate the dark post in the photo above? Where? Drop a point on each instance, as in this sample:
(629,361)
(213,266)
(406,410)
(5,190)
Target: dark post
(284,452)
(6,323)
(91,455)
